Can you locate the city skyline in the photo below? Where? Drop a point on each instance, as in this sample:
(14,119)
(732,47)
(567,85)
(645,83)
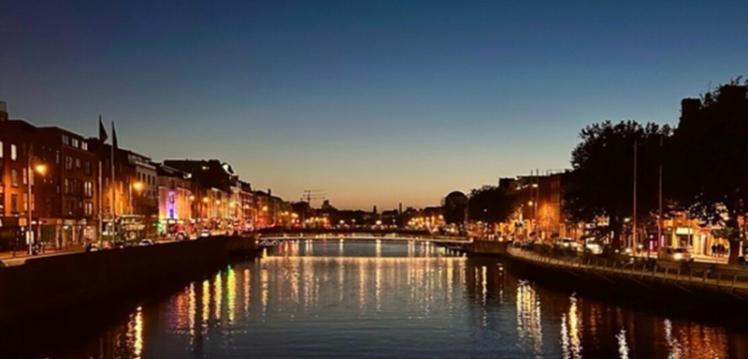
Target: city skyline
(370,102)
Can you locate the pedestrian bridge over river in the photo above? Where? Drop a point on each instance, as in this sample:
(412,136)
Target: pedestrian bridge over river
(292,235)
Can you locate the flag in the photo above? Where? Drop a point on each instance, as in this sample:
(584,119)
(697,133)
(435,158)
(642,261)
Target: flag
(114,136)
(102,132)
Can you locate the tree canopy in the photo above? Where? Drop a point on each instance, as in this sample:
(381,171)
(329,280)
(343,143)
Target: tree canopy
(601,180)
(455,207)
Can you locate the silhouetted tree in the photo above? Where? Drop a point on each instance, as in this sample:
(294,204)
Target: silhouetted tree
(491,204)
(601,182)
(455,207)
(709,153)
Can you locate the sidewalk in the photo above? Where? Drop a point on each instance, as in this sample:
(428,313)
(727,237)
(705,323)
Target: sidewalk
(698,258)
(8,259)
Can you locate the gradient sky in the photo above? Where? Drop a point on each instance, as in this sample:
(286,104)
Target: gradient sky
(375,102)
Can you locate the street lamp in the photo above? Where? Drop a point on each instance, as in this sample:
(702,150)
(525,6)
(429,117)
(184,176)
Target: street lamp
(138,186)
(41,169)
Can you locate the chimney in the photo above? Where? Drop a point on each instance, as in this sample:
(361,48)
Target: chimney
(3,111)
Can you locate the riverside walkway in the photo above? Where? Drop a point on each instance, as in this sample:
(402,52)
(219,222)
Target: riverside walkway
(732,280)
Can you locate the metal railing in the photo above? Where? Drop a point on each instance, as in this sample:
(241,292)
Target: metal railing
(716,276)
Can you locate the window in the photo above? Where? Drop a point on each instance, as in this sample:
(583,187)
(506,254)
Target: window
(14,203)
(68,163)
(76,143)
(1,149)
(77,163)
(89,209)
(88,188)
(65,140)
(84,145)
(57,157)
(13,152)
(13,177)
(2,201)
(24,177)
(66,186)
(87,167)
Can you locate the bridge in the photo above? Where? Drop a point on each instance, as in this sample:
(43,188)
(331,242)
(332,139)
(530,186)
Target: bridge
(273,236)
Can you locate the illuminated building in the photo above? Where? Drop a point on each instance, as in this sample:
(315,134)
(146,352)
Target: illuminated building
(63,203)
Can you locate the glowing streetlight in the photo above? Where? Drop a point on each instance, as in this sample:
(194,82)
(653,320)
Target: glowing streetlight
(138,186)
(41,169)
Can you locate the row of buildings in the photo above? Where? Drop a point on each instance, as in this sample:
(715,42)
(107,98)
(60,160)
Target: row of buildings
(540,215)
(61,188)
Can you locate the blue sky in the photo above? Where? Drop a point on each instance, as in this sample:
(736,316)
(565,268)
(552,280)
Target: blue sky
(375,102)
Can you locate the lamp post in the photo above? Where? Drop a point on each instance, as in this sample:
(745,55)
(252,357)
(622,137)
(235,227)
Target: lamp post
(41,169)
(138,187)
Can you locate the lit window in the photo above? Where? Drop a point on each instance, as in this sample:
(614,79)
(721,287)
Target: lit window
(1,149)
(84,145)
(13,177)
(14,203)
(76,144)
(13,152)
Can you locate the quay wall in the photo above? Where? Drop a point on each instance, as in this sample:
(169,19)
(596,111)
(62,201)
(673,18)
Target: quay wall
(688,282)
(50,284)
(488,248)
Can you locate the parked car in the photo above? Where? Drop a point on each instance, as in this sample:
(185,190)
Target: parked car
(566,243)
(146,242)
(592,245)
(205,233)
(526,244)
(674,254)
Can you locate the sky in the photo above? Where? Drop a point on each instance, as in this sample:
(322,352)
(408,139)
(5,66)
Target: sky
(375,103)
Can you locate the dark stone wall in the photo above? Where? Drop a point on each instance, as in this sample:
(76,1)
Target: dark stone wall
(45,285)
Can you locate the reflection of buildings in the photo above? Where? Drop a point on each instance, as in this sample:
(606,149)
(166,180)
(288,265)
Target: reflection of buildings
(529,326)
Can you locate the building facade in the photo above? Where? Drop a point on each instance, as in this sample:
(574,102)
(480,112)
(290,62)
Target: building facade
(48,175)
(175,201)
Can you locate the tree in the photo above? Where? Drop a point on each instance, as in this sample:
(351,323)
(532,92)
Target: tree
(709,152)
(601,180)
(491,204)
(455,207)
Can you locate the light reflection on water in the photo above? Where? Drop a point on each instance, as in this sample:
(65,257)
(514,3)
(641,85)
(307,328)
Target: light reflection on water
(377,299)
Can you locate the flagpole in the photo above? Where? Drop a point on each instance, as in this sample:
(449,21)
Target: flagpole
(114,190)
(101,192)
(101,207)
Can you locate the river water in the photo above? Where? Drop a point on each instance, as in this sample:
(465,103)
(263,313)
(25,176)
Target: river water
(335,299)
